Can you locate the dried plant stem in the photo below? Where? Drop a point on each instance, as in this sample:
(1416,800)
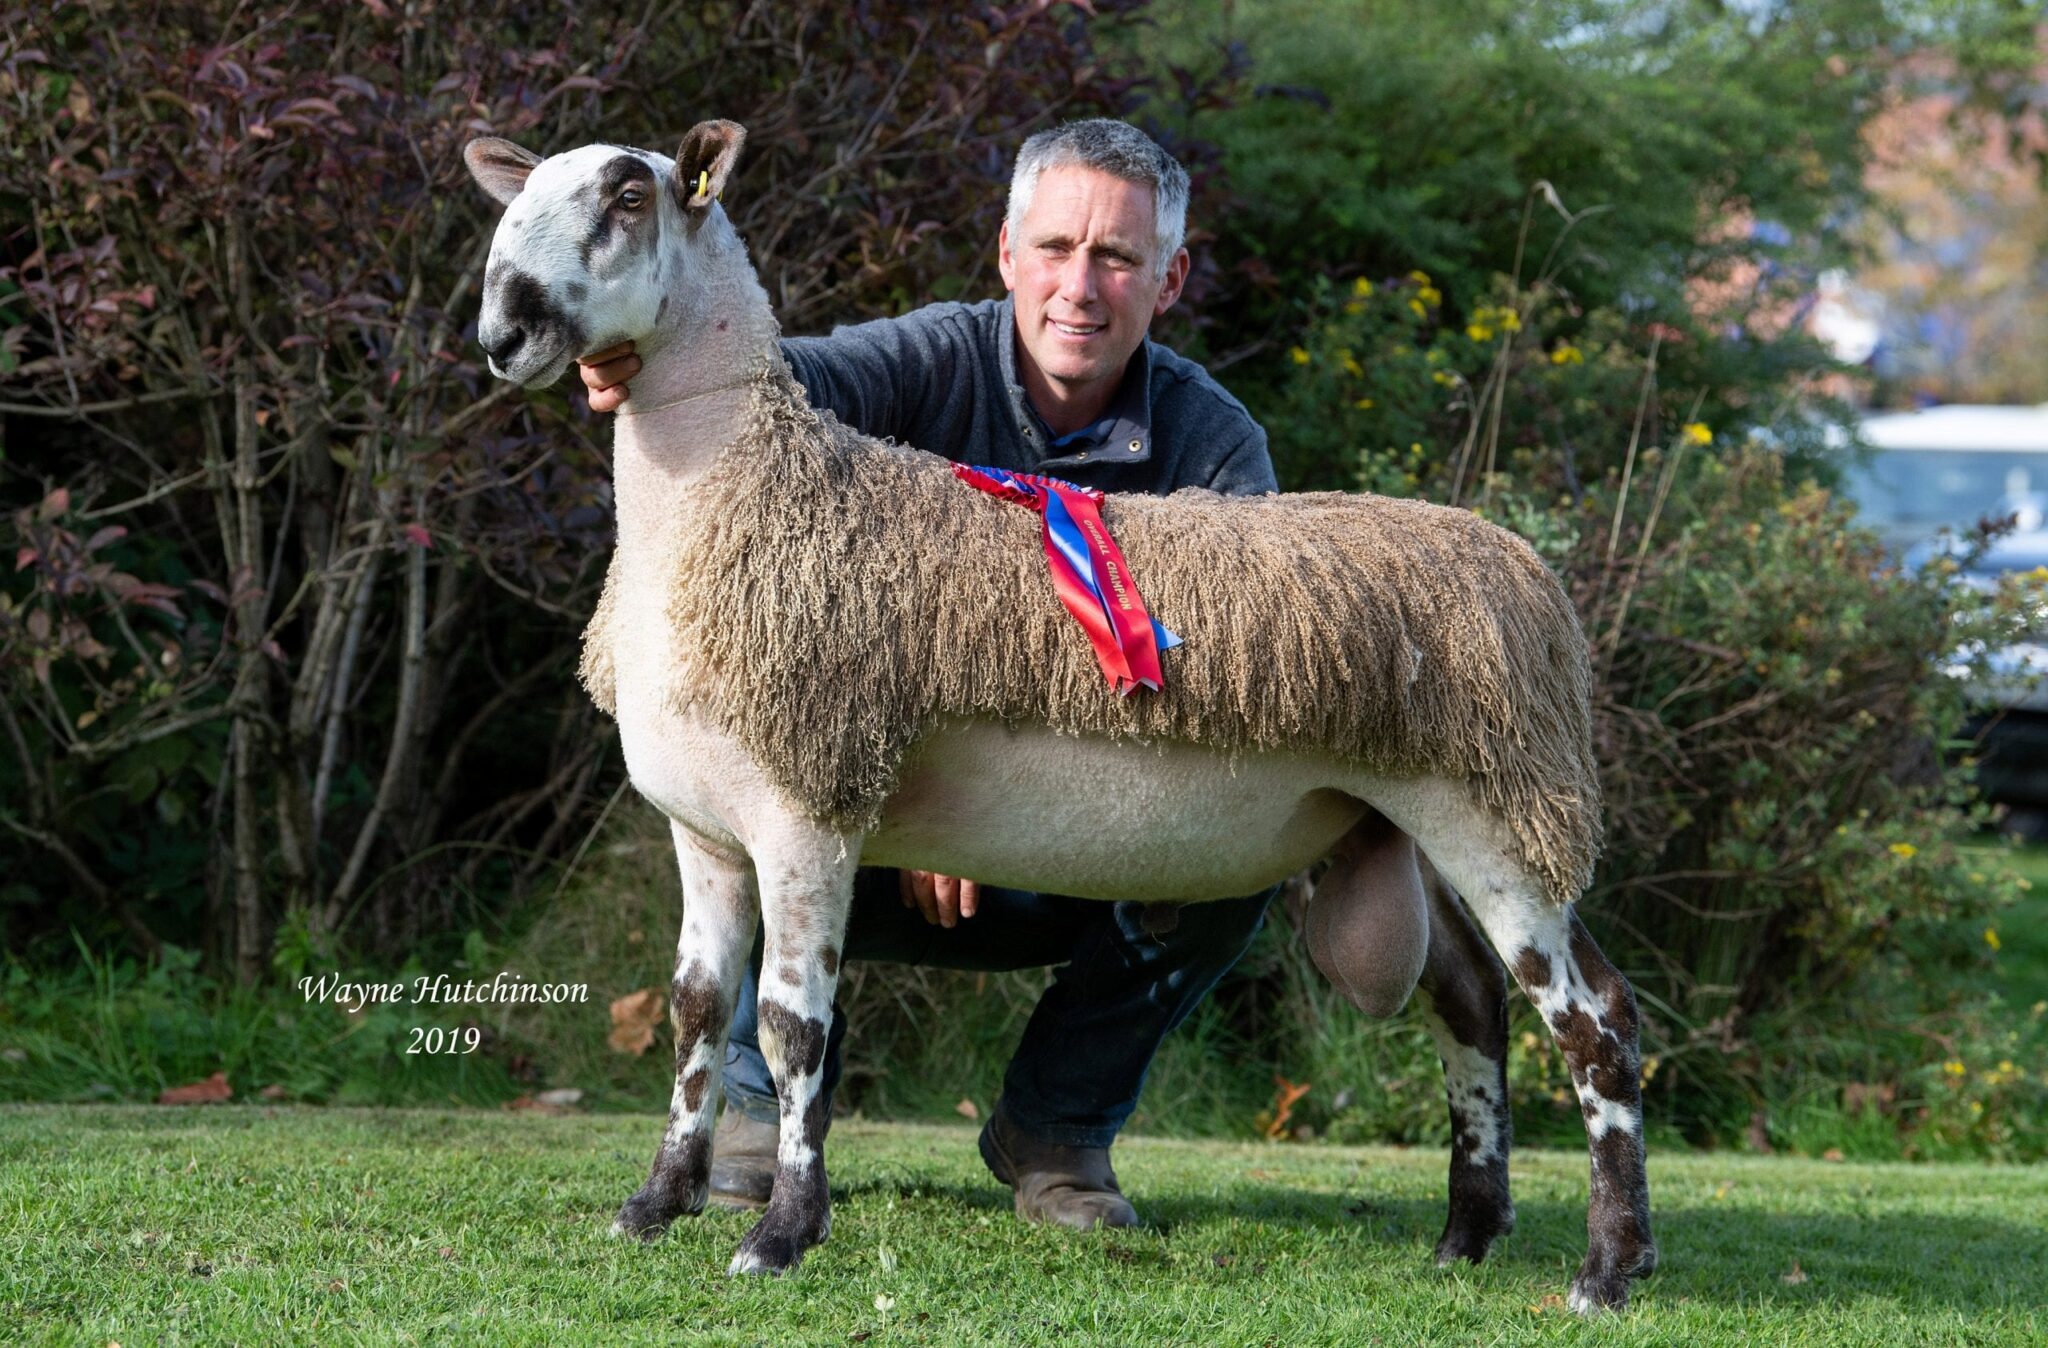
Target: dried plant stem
(1635,439)
(1611,638)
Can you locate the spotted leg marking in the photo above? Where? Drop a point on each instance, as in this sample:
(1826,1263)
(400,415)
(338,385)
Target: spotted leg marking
(718,927)
(804,911)
(1591,1010)
(1463,1001)
(1588,1006)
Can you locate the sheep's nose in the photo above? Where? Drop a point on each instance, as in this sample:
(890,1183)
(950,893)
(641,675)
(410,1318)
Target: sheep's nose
(507,345)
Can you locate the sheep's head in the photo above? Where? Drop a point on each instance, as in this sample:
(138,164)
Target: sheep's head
(589,243)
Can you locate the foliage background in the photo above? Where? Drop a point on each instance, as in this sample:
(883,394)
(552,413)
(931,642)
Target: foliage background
(285,647)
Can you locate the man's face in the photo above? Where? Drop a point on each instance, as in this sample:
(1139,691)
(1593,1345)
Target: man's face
(1083,264)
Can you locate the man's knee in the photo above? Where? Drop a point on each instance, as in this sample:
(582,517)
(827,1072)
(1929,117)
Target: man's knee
(1217,932)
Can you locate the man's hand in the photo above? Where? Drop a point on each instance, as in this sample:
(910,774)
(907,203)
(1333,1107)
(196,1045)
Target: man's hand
(943,899)
(605,374)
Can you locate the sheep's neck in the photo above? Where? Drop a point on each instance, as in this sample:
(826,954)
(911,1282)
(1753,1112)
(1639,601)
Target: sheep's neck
(716,332)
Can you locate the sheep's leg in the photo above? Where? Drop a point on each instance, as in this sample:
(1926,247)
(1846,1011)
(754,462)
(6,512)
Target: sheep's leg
(1588,1006)
(1591,1012)
(711,954)
(803,911)
(1463,1001)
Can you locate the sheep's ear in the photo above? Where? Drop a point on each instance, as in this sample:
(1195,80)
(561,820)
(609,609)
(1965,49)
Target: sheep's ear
(499,166)
(704,163)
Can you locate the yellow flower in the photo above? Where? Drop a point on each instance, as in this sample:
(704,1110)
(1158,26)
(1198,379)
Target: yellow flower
(1954,1068)
(1420,278)
(1444,377)
(1430,295)
(1351,365)
(1991,937)
(1510,320)
(1299,355)
(1904,851)
(1696,433)
(1650,1065)
(1479,332)
(1363,404)
(1416,305)
(1567,355)
(1361,288)
(1353,307)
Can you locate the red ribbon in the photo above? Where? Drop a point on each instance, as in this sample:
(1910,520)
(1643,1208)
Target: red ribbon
(1088,573)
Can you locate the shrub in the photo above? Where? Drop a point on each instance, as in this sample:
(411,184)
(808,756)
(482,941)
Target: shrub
(289,639)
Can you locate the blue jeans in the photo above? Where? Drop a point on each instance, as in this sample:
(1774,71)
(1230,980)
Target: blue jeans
(1120,990)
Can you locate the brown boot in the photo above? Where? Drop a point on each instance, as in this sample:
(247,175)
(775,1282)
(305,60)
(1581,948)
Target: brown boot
(742,1160)
(1061,1186)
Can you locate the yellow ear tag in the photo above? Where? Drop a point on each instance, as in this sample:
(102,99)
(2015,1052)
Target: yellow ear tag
(703,183)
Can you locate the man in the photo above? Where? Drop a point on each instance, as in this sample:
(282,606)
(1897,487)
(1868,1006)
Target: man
(1058,378)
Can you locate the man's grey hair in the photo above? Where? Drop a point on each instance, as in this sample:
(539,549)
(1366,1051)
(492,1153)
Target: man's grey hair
(1116,148)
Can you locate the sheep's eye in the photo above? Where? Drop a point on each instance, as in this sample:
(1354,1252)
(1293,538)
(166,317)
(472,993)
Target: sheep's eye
(631,198)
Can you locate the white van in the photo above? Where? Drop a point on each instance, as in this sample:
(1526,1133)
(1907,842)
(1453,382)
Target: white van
(1948,468)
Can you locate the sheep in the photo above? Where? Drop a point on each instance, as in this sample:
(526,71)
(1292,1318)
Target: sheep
(1377,675)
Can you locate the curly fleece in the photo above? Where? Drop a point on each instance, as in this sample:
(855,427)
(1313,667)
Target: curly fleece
(836,597)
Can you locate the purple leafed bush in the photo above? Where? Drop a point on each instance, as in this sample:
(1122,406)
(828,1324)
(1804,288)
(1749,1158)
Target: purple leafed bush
(289,639)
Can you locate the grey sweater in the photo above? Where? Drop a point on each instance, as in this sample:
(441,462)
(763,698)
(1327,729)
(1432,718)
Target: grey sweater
(944,378)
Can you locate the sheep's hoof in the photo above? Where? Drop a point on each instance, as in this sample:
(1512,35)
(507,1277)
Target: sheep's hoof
(1469,1235)
(775,1245)
(648,1213)
(773,1253)
(1603,1286)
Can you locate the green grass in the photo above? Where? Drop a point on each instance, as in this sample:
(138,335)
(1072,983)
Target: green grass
(241,1224)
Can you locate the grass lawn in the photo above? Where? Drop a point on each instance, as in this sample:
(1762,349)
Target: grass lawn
(145,1225)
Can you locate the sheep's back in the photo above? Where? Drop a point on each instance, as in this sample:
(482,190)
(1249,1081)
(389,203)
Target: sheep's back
(836,596)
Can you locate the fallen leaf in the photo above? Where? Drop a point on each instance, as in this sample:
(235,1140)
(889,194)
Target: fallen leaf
(526,1104)
(1553,1302)
(967,1109)
(634,1017)
(1223,1260)
(447,1251)
(884,1304)
(1285,1093)
(561,1098)
(1795,1277)
(274,1092)
(1831,1154)
(211,1091)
